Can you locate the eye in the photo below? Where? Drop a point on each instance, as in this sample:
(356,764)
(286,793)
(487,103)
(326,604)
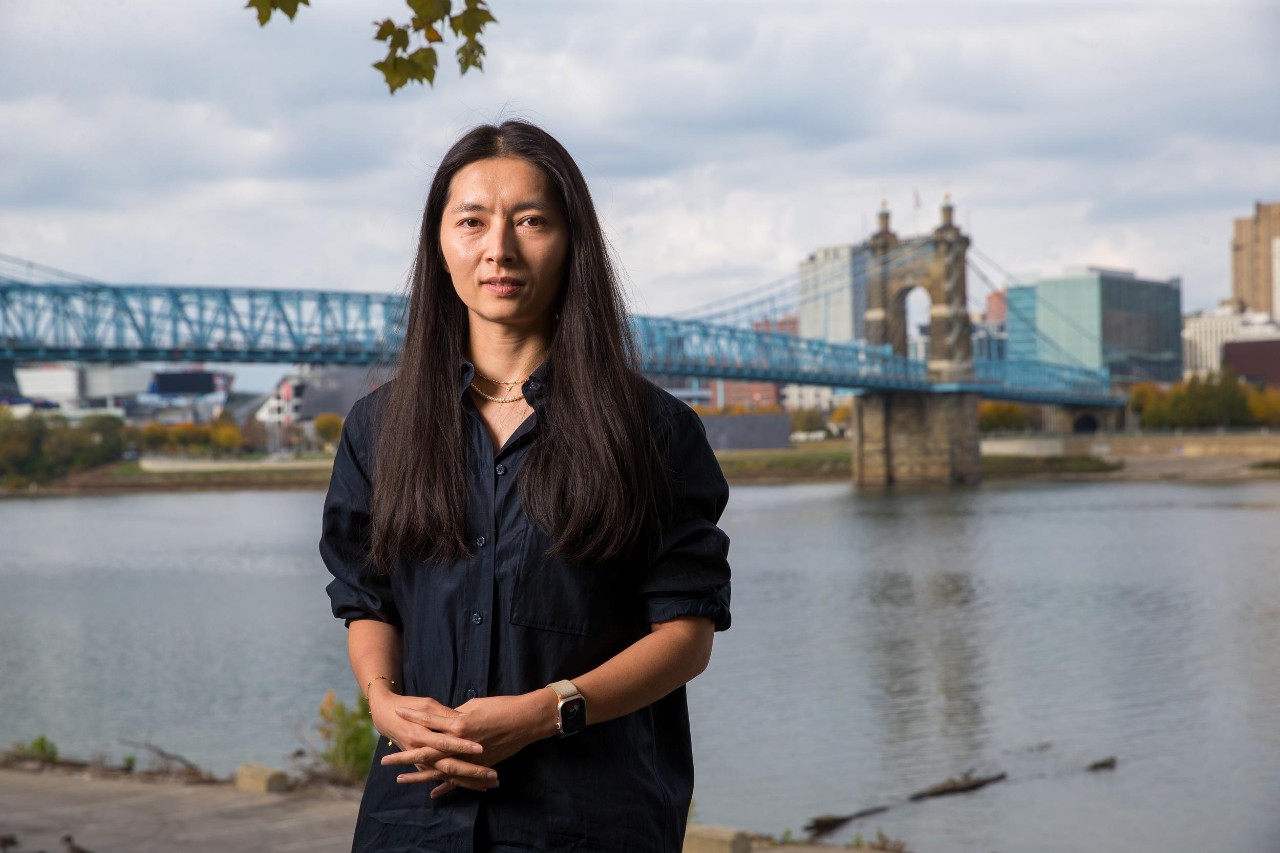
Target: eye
(469,222)
(534,221)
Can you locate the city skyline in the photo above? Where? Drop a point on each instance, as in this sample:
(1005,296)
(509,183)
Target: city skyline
(724,142)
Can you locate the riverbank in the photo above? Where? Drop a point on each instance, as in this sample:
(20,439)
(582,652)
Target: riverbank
(121,814)
(1096,458)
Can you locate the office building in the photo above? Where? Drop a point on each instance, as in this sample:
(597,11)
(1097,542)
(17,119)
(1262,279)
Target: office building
(1099,318)
(832,308)
(1255,260)
(1254,360)
(833,294)
(1204,335)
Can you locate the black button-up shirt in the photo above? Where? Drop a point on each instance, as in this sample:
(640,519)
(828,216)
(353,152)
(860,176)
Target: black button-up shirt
(510,618)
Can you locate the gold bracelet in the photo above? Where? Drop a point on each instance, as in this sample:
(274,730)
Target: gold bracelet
(369,686)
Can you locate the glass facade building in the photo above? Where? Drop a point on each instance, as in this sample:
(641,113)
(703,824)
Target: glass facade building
(1100,318)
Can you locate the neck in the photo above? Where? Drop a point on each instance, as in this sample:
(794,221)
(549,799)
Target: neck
(507,354)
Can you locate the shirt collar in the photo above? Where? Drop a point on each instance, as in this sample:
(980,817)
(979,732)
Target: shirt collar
(535,388)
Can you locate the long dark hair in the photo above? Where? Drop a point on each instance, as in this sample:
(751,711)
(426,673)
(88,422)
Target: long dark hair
(592,474)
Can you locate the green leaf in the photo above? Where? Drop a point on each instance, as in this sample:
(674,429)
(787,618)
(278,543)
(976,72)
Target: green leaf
(400,40)
(385,29)
(290,7)
(395,77)
(430,10)
(425,61)
(470,23)
(470,55)
(263,8)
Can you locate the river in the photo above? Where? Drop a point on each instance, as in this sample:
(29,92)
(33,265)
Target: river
(881,643)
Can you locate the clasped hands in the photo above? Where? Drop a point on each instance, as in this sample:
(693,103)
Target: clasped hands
(457,747)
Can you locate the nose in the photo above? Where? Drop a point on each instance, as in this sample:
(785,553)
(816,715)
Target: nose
(501,248)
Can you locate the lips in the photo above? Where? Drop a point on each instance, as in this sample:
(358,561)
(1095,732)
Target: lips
(502,285)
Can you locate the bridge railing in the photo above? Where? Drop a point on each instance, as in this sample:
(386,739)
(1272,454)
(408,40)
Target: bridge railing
(674,347)
(154,322)
(1039,377)
(88,321)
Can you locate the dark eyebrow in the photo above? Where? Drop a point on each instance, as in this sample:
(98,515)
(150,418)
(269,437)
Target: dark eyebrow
(476,207)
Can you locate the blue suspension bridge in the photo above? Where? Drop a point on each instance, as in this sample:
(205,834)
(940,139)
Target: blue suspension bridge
(50,315)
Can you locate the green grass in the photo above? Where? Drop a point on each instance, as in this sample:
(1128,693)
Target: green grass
(828,459)
(1271,465)
(833,460)
(129,475)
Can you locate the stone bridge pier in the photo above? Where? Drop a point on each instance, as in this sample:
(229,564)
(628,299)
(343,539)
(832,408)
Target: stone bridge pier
(919,437)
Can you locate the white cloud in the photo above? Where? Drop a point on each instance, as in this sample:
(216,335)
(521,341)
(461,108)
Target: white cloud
(723,141)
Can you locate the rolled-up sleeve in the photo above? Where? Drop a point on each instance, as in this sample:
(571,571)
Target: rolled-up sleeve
(689,572)
(357,591)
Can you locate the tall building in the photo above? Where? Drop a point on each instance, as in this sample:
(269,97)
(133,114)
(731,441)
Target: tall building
(1204,335)
(833,305)
(833,294)
(1099,318)
(1255,260)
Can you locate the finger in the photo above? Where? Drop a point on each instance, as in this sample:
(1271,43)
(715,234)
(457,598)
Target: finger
(426,704)
(431,775)
(453,783)
(434,722)
(425,756)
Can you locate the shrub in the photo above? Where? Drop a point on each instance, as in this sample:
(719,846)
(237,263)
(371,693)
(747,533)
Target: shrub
(40,749)
(347,738)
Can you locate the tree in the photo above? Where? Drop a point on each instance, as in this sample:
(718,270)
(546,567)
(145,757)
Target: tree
(411,55)
(1264,405)
(225,436)
(253,435)
(155,437)
(1001,417)
(328,427)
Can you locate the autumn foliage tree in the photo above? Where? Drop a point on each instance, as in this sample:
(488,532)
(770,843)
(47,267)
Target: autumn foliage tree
(1217,401)
(994,416)
(37,448)
(328,427)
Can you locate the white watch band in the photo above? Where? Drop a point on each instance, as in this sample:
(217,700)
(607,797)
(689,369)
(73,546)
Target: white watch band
(565,689)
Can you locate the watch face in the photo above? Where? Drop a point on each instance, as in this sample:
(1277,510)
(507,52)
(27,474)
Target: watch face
(573,715)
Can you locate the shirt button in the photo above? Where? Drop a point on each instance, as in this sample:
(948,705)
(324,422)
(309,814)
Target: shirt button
(500,469)
(476,618)
(535,386)
(471,693)
(479,541)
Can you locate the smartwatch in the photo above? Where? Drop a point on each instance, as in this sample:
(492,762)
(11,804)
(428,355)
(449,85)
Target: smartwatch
(571,709)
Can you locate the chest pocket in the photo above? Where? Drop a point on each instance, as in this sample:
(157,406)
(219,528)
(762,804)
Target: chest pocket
(550,593)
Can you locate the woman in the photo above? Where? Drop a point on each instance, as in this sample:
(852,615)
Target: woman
(522,534)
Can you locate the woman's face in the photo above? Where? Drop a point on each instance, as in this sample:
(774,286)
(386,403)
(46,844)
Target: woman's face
(505,239)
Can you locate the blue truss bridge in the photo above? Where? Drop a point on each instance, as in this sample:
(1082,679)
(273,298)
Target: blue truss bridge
(49,315)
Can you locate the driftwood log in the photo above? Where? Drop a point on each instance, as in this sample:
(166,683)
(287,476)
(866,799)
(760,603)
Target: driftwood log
(827,824)
(193,770)
(967,782)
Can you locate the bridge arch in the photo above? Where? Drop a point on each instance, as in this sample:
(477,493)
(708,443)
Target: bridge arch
(936,263)
(1084,424)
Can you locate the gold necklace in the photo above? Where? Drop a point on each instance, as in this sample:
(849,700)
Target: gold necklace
(500,382)
(496,399)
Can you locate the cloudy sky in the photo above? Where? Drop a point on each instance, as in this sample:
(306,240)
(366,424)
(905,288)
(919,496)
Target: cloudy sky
(175,141)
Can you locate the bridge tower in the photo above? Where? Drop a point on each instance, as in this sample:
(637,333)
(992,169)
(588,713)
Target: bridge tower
(930,436)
